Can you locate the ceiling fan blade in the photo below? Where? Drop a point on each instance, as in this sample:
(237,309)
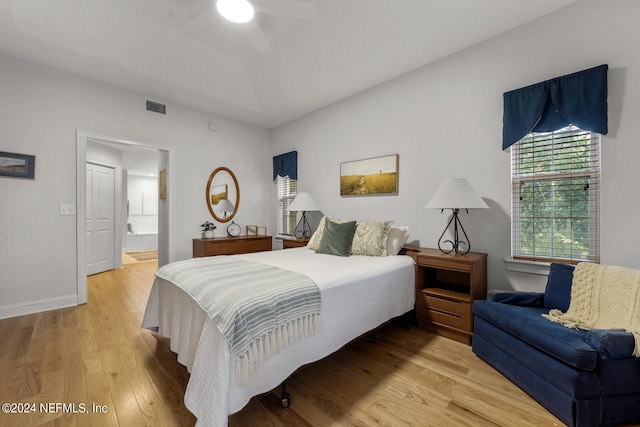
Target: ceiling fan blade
(192,10)
(257,37)
(292,8)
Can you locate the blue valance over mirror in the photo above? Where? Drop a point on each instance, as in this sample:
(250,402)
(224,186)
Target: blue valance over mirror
(578,99)
(286,165)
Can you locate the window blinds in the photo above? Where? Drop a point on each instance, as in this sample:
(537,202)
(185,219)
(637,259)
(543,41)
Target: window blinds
(555,195)
(287,189)
(285,174)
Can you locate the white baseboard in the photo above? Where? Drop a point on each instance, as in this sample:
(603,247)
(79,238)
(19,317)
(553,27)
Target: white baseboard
(37,306)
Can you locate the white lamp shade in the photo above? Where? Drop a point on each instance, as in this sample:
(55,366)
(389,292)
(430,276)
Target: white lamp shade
(224,205)
(456,193)
(238,11)
(303,202)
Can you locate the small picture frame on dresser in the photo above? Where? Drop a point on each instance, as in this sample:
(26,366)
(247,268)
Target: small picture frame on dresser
(252,230)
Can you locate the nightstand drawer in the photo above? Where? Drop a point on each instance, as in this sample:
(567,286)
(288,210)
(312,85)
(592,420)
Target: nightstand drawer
(294,243)
(461,308)
(446,264)
(454,320)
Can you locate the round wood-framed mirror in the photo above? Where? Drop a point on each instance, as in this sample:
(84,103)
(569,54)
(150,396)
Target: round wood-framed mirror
(223,185)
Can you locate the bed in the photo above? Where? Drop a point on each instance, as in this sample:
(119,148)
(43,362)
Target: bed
(358,294)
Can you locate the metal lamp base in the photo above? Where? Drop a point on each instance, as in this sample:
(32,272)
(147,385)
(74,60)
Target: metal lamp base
(456,243)
(303,229)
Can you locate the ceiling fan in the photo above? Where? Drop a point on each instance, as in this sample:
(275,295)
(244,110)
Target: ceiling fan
(242,12)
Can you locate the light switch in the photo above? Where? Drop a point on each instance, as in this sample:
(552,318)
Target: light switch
(67,209)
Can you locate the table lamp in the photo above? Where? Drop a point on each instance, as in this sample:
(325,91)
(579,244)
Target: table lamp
(305,203)
(455,194)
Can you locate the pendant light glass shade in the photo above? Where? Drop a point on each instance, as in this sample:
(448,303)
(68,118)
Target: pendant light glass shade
(238,11)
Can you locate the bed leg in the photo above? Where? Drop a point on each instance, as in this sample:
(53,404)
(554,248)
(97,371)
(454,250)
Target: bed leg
(406,320)
(286,398)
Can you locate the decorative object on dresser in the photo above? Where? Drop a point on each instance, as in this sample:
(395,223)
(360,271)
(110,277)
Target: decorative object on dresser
(233,229)
(207,229)
(294,243)
(231,245)
(254,230)
(446,286)
(303,202)
(455,194)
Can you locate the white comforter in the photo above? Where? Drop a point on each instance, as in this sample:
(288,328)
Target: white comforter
(358,294)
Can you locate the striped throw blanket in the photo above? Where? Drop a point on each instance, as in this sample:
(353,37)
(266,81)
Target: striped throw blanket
(259,309)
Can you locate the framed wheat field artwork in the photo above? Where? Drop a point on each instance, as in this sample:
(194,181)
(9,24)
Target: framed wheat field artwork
(375,176)
(17,165)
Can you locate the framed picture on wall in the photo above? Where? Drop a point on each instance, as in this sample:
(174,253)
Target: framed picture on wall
(375,176)
(17,165)
(162,184)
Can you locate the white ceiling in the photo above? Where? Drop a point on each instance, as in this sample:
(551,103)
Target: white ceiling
(183,51)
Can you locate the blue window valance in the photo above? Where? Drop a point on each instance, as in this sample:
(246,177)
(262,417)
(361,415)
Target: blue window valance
(286,165)
(579,99)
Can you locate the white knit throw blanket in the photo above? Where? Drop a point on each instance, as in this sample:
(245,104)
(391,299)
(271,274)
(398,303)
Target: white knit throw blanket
(603,297)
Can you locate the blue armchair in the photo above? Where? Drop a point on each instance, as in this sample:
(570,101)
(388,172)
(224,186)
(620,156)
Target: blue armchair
(585,378)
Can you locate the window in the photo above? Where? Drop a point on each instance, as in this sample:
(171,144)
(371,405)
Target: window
(555,196)
(287,189)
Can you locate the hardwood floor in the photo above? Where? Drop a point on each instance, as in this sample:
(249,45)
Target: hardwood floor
(97,355)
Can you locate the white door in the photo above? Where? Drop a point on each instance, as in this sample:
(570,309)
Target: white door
(100,216)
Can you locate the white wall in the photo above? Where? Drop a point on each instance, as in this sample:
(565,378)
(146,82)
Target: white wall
(143,213)
(40,111)
(445,120)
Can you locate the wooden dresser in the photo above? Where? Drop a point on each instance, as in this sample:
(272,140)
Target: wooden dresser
(446,285)
(231,245)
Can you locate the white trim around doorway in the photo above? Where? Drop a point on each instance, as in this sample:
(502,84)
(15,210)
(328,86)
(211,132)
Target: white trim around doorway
(82,136)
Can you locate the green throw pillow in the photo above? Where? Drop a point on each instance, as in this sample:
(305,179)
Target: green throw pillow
(337,238)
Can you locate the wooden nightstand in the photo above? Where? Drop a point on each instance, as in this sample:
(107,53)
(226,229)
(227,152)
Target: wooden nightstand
(294,243)
(446,286)
(231,245)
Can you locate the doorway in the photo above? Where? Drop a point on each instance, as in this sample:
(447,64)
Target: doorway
(84,211)
(100,218)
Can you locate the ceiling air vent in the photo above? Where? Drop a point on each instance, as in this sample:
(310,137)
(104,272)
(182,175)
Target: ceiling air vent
(156,107)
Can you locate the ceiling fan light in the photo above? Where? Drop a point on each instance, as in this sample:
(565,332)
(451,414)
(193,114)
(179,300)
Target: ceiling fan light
(239,11)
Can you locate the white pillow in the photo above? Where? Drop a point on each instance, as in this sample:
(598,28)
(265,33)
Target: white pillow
(314,241)
(398,236)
